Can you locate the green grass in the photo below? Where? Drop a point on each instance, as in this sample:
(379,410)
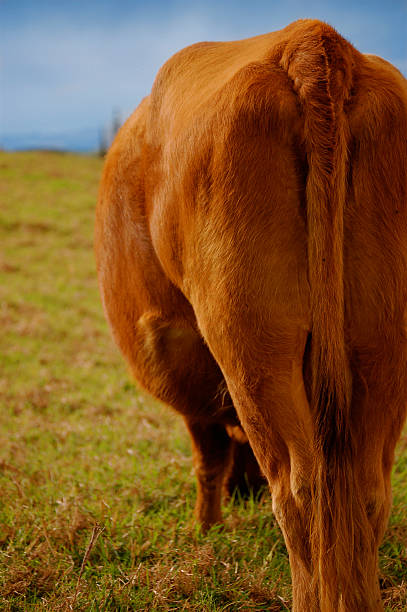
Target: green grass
(84,453)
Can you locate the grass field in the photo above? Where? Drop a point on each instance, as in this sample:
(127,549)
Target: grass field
(96,481)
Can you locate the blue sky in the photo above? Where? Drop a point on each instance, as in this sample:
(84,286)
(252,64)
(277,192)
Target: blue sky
(65,65)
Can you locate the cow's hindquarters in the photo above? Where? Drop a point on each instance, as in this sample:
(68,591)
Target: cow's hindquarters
(252,307)
(154,325)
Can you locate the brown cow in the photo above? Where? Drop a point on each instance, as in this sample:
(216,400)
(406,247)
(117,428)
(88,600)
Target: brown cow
(251,241)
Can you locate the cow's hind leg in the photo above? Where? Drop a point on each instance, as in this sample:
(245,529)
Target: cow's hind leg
(244,476)
(270,398)
(152,322)
(169,359)
(173,364)
(379,408)
(212,452)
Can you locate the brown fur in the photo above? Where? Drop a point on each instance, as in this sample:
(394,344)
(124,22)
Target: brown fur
(251,241)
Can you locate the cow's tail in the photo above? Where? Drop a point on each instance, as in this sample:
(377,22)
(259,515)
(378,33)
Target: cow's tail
(319,64)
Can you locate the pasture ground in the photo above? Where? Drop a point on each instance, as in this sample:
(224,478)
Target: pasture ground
(96,480)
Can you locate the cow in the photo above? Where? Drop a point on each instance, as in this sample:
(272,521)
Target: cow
(251,246)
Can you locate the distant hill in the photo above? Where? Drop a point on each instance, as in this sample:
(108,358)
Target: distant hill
(81,141)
